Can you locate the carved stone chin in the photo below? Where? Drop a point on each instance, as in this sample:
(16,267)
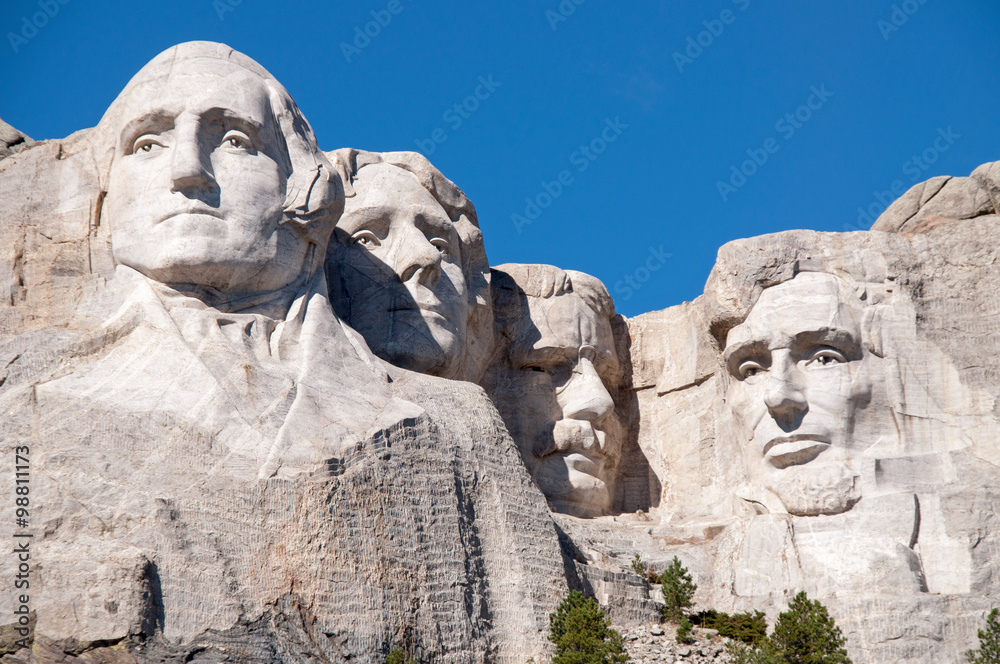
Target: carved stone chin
(821,489)
(259,469)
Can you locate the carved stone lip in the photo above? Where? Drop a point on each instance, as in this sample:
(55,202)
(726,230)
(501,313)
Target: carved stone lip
(421,307)
(194,209)
(785,451)
(588,463)
(421,310)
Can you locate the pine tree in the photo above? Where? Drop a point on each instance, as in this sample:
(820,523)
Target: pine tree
(678,590)
(762,653)
(684,631)
(806,634)
(639,567)
(989,642)
(582,633)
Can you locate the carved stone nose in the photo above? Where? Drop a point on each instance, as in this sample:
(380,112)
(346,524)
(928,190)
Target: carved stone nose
(417,257)
(188,168)
(586,397)
(785,397)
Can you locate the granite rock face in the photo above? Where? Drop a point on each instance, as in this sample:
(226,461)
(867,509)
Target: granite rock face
(217,463)
(242,372)
(824,419)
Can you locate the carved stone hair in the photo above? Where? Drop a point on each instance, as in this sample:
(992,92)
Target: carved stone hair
(514,283)
(315,191)
(875,268)
(511,280)
(475,265)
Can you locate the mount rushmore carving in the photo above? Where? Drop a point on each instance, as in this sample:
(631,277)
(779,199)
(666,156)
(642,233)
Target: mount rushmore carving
(279,406)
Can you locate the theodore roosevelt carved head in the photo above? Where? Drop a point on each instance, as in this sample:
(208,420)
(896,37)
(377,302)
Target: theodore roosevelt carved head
(553,380)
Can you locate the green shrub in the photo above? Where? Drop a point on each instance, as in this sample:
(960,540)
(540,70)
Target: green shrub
(684,632)
(740,653)
(582,633)
(399,656)
(806,634)
(639,567)
(750,628)
(647,572)
(989,642)
(678,590)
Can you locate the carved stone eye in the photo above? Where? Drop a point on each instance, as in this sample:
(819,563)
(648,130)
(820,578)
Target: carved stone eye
(749,369)
(237,140)
(366,239)
(145,144)
(826,357)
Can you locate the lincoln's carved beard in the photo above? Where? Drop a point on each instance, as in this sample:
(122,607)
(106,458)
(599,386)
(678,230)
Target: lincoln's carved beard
(811,490)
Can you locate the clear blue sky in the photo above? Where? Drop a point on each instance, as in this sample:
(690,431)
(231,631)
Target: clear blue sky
(681,124)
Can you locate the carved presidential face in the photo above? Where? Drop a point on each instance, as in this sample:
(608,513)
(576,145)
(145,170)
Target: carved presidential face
(398,255)
(198,182)
(798,374)
(556,402)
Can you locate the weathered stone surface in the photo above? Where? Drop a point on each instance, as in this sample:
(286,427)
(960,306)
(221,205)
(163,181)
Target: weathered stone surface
(220,468)
(407,267)
(12,141)
(897,567)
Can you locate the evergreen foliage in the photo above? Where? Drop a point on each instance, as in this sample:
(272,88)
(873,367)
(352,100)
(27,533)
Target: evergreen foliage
(582,633)
(806,634)
(639,567)
(740,653)
(647,572)
(749,628)
(989,642)
(684,632)
(678,590)
(398,656)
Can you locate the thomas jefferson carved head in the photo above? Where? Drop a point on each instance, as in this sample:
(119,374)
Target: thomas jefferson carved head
(216,180)
(407,268)
(798,373)
(552,381)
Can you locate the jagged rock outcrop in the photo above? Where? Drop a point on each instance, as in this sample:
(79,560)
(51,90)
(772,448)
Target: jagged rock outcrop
(12,141)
